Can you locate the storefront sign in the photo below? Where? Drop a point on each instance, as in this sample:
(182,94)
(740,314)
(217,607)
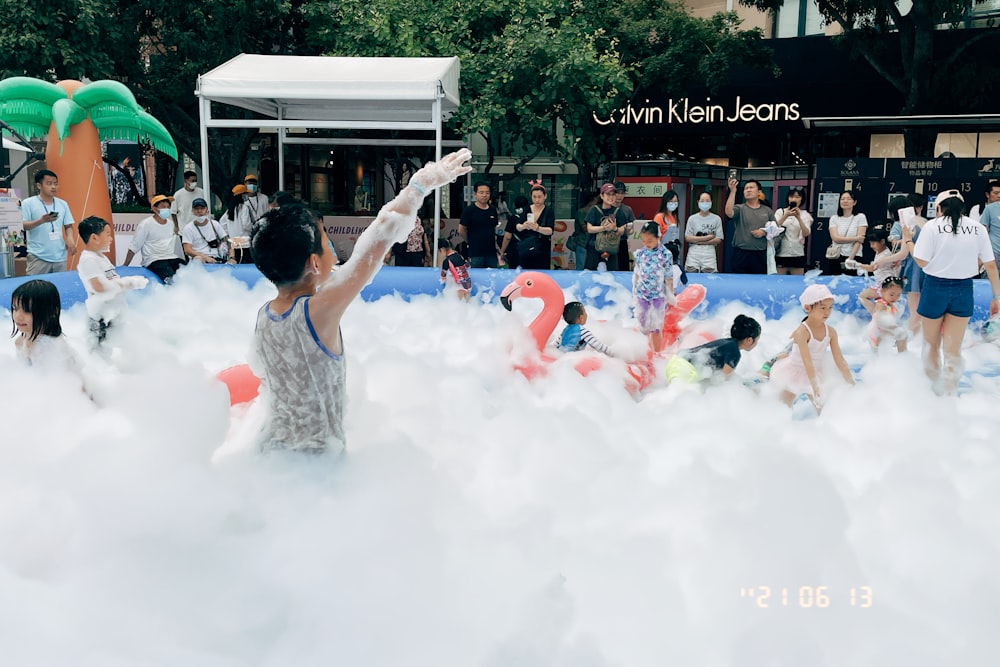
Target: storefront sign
(655,190)
(684,111)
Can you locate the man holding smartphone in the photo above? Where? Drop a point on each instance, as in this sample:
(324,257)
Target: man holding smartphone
(48,226)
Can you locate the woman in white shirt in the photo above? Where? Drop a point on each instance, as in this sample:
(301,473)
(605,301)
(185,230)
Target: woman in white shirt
(791,256)
(950,249)
(848,229)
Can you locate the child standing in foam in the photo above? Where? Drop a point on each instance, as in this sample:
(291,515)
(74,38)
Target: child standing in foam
(802,371)
(652,285)
(456,266)
(298,347)
(884,308)
(105,288)
(37,332)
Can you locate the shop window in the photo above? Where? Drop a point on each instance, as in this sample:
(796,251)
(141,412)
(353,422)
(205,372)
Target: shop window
(989,144)
(959,144)
(887,145)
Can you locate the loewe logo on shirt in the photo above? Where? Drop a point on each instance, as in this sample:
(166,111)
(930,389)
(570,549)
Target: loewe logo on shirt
(962,229)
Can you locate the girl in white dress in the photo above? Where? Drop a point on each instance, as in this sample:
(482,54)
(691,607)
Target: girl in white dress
(802,371)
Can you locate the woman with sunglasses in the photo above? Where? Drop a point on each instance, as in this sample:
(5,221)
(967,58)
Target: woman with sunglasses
(950,250)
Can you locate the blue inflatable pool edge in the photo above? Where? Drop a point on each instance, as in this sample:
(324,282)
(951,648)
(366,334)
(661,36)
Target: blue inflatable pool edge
(773,295)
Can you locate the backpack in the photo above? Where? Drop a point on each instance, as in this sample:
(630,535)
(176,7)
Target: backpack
(608,241)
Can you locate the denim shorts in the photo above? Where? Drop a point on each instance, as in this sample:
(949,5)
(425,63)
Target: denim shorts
(941,296)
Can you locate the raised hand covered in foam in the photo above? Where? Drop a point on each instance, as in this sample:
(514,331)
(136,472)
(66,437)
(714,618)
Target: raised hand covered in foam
(396,217)
(435,174)
(394,221)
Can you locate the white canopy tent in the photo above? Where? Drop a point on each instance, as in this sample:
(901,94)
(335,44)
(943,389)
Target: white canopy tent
(332,93)
(14,146)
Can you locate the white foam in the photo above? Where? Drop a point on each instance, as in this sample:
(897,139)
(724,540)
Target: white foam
(481,519)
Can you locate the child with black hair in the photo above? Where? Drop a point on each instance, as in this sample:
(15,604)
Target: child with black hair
(886,262)
(652,284)
(679,274)
(885,311)
(576,336)
(298,345)
(456,266)
(707,361)
(35,309)
(105,288)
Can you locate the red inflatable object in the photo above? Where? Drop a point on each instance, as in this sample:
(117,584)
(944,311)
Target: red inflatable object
(243,385)
(531,284)
(687,300)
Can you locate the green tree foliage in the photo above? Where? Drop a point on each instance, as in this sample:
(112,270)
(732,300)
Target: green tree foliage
(66,39)
(673,51)
(181,40)
(533,73)
(527,67)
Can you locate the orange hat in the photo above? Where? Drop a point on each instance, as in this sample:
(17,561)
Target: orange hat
(240,189)
(158,198)
(250,177)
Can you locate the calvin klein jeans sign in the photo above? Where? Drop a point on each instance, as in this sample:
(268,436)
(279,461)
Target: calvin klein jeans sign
(682,111)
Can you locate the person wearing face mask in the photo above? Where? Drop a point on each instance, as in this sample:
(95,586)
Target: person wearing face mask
(666,217)
(204,239)
(238,222)
(256,202)
(155,240)
(180,209)
(703,235)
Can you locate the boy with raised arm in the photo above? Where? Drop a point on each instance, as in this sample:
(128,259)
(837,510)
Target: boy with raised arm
(298,346)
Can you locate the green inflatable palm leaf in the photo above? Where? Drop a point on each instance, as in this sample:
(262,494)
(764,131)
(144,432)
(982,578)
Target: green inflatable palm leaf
(26,104)
(65,114)
(158,135)
(31,105)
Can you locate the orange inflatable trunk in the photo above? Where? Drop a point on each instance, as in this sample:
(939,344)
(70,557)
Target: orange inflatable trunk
(78,164)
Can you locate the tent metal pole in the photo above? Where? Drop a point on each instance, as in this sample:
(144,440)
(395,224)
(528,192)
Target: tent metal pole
(281,151)
(437,191)
(205,111)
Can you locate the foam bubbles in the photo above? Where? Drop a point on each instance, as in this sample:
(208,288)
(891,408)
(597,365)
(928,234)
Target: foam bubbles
(481,519)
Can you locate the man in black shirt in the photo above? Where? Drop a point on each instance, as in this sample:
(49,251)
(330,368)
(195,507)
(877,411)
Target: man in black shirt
(478,227)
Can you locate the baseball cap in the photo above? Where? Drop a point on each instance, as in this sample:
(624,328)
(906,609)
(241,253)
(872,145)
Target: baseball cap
(199,202)
(620,187)
(158,198)
(240,189)
(250,177)
(814,294)
(948,194)
(607,188)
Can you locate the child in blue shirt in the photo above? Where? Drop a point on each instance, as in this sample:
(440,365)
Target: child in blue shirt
(576,336)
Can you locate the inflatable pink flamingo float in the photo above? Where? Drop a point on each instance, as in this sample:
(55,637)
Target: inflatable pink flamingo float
(532,284)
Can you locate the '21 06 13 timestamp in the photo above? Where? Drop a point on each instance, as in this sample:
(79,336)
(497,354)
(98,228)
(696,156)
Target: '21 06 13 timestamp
(808,597)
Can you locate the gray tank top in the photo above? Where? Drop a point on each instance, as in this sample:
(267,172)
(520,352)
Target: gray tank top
(304,381)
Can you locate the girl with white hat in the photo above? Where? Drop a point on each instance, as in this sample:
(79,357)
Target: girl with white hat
(801,372)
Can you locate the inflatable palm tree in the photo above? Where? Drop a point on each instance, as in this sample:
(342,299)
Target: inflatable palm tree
(76,118)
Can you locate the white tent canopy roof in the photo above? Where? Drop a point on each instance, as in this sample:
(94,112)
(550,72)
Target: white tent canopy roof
(327,92)
(326,88)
